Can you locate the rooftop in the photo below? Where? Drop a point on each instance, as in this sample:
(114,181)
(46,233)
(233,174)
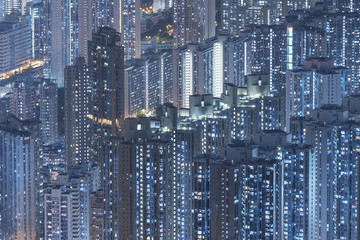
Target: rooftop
(11,124)
(5,26)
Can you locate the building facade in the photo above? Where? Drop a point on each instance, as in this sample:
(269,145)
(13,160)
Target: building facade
(76,107)
(49,111)
(15,42)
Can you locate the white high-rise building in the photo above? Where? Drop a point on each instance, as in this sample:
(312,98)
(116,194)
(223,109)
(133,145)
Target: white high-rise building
(152,75)
(204,68)
(211,62)
(185,74)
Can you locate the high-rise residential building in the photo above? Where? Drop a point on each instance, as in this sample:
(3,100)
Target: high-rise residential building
(317,84)
(214,134)
(194,21)
(12,6)
(148,82)
(185,74)
(213,208)
(142,190)
(114,185)
(130,28)
(168,115)
(271,111)
(262,187)
(213,129)
(335,138)
(83,180)
(244,121)
(257,15)
(252,109)
(68,30)
(36,12)
(57,41)
(344,6)
(268,54)
(135,187)
(211,67)
(304,42)
(15,42)
(343,30)
(256,175)
(84,16)
(232,16)
(66,201)
(256,199)
(135,75)
(295,5)
(297,178)
(125,17)
(19,157)
(49,111)
(96,215)
(166,78)
(271,180)
(247,124)
(76,108)
(23,101)
(237,60)
(105,14)
(134,182)
(58,214)
(203,192)
(106,69)
(204,68)
(187,146)
(201,106)
(235,15)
